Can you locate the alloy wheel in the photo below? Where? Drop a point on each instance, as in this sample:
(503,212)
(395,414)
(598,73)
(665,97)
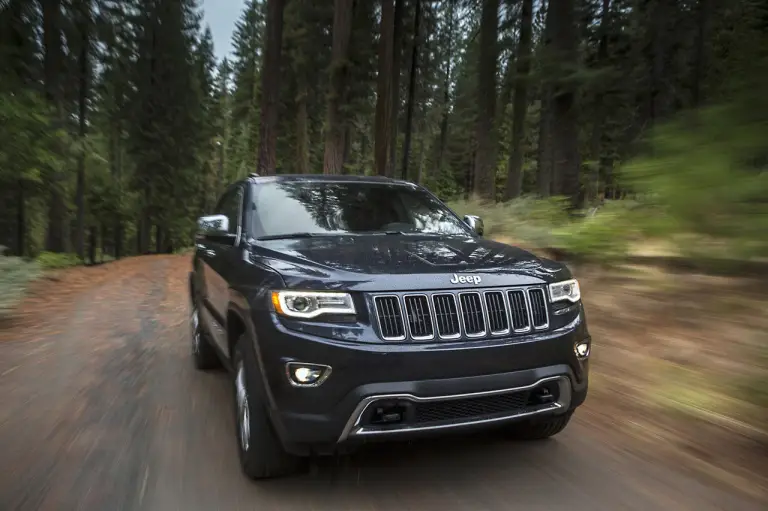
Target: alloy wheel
(243,410)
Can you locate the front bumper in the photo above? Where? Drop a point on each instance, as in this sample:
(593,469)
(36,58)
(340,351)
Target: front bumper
(438,387)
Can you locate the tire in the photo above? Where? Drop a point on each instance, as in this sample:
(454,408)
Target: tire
(540,429)
(203,353)
(261,453)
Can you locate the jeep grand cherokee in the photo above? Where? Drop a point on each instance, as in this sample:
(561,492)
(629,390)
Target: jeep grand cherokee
(350,309)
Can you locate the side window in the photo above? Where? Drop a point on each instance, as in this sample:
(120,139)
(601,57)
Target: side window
(229,206)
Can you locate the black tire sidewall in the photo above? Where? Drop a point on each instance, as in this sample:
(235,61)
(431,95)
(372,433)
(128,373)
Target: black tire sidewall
(205,357)
(265,456)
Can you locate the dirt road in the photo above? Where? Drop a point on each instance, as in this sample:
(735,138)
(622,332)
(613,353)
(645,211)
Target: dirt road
(102,410)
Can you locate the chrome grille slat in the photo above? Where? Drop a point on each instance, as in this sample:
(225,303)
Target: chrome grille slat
(390,317)
(538,301)
(418,317)
(447,315)
(518,307)
(472,314)
(498,320)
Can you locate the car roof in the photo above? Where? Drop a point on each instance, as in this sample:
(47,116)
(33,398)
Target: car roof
(325,178)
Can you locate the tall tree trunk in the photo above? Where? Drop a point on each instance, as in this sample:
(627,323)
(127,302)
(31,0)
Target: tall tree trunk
(520,106)
(159,239)
(704,17)
(446,92)
(545,178)
(384,89)
(420,158)
(333,158)
(302,125)
(56,239)
(117,177)
(21,219)
(485,157)
(347,145)
(658,100)
(411,90)
(397,52)
(145,223)
(84,79)
(270,88)
(596,144)
(92,246)
(564,128)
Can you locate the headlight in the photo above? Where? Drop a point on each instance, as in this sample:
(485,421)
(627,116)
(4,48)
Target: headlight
(310,304)
(565,290)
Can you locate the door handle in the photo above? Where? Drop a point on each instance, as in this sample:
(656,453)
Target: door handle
(210,253)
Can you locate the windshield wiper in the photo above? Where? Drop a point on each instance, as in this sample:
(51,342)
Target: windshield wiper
(292,235)
(404,233)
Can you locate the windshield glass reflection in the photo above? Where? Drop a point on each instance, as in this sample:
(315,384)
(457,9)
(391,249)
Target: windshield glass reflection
(306,208)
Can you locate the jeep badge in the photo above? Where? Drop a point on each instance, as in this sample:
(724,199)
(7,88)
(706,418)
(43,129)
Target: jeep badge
(465,279)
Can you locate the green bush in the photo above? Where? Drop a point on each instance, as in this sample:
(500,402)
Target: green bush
(527,219)
(53,261)
(605,236)
(708,172)
(15,274)
(545,223)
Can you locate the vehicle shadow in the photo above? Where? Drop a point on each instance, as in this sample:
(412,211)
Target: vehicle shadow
(574,470)
(429,471)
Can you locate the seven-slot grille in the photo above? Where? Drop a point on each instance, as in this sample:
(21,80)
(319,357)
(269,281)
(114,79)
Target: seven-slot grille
(448,315)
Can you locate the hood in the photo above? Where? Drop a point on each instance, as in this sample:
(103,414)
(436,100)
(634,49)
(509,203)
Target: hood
(404,262)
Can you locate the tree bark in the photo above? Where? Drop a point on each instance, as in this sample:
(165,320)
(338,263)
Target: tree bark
(56,239)
(384,89)
(21,220)
(84,79)
(270,88)
(705,15)
(485,157)
(347,145)
(658,100)
(446,92)
(520,106)
(302,125)
(92,246)
(596,144)
(159,239)
(411,90)
(420,158)
(333,158)
(397,52)
(564,128)
(545,178)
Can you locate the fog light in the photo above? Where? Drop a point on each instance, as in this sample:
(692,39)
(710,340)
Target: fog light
(582,349)
(306,375)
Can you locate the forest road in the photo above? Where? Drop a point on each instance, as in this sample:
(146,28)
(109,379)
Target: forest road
(102,410)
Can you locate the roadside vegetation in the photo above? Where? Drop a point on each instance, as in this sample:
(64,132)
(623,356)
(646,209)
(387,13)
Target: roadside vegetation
(675,352)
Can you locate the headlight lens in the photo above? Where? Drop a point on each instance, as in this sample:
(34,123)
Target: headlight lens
(566,290)
(310,304)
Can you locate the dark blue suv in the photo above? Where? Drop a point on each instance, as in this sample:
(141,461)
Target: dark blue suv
(357,308)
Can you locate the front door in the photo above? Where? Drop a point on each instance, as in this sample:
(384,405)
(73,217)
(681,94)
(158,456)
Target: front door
(218,262)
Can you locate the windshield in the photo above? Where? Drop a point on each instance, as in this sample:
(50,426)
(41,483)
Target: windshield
(286,208)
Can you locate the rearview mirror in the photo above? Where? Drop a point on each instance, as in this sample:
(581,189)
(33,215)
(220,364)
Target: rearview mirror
(475,223)
(213,225)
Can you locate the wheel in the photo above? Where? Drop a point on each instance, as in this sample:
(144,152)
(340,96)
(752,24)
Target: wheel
(540,429)
(261,453)
(203,354)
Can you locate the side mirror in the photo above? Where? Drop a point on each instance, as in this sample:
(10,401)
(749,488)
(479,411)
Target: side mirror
(213,225)
(475,223)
